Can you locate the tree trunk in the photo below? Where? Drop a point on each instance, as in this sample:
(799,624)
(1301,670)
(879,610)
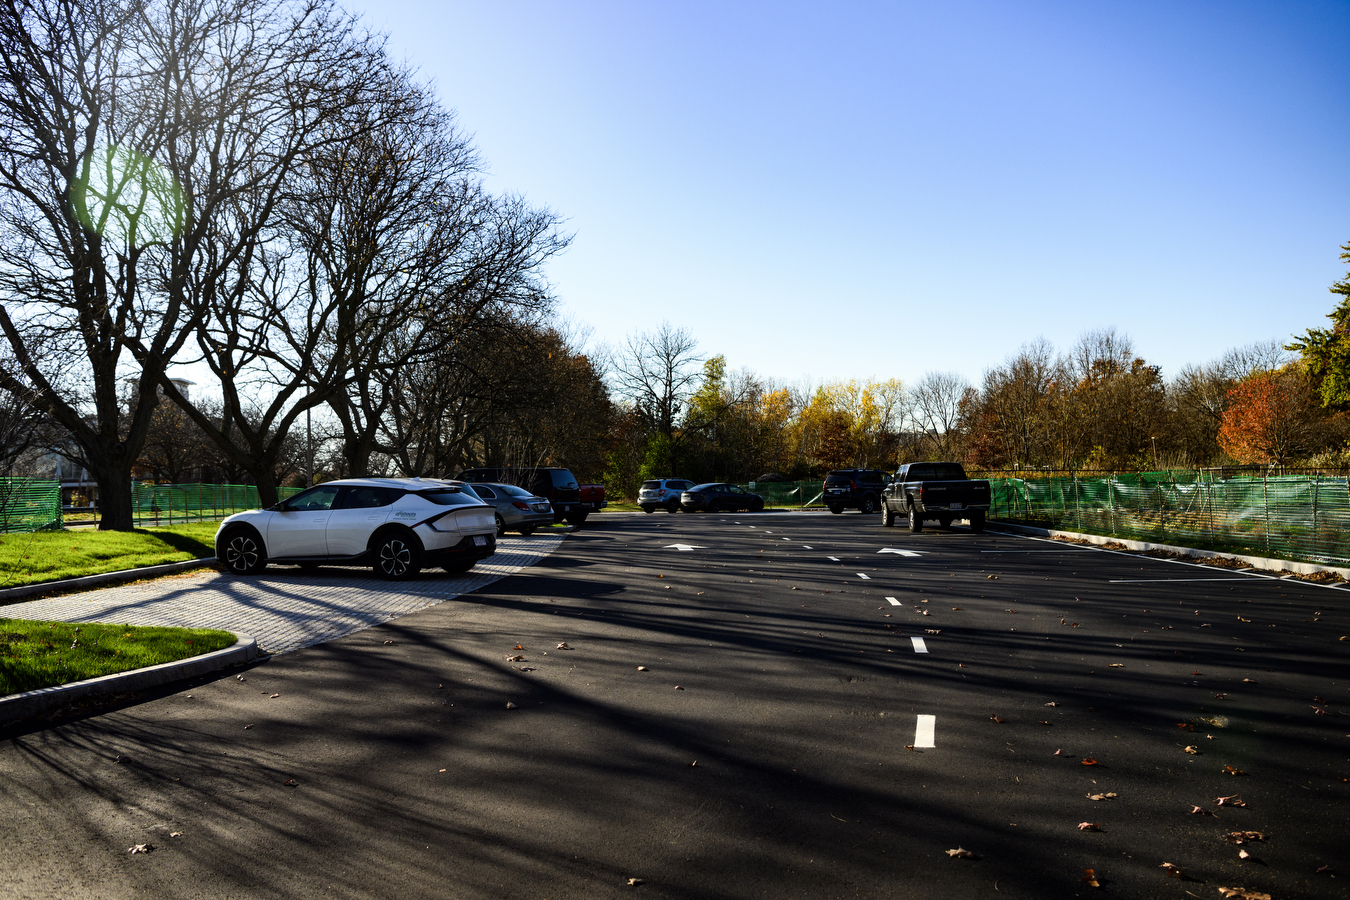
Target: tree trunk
(115,501)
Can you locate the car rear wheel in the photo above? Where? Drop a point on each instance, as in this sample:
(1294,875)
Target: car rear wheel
(526,530)
(887,517)
(398,556)
(649,509)
(837,510)
(673,506)
(869,505)
(501,524)
(244,554)
(915,520)
(459,568)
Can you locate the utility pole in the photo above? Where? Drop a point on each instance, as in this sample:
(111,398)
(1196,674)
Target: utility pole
(309,449)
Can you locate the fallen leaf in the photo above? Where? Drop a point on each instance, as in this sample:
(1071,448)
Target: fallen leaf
(518,647)
(387,643)
(141,848)
(1243,854)
(960,853)
(516,658)
(1089,878)
(996,719)
(1043,722)
(291,782)
(678,688)
(1192,749)
(1200,811)
(1090,762)
(1089,826)
(247,727)
(956,607)
(1242,894)
(991,577)
(1327,870)
(1171,869)
(274,696)
(933,630)
(634,882)
(1242,837)
(564,646)
(1109,795)
(175,834)
(1052,703)
(510,705)
(1059,753)
(1232,771)
(1249,681)
(1233,800)
(642,668)
(1115,665)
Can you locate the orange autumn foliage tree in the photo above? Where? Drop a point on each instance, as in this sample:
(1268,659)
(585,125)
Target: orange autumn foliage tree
(1272,418)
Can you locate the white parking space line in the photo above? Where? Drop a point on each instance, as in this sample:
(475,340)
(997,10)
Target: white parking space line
(806,546)
(787,539)
(892,601)
(835,558)
(768,532)
(923,732)
(1165,580)
(863,577)
(919,646)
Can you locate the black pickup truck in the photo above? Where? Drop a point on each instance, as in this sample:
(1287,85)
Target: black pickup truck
(934,490)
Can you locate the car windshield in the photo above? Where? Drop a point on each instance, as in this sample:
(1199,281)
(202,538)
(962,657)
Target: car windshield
(320,497)
(461,496)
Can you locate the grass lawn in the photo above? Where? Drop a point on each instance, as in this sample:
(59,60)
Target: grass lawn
(53,555)
(45,654)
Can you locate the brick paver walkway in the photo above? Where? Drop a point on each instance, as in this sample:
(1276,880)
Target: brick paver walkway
(283,608)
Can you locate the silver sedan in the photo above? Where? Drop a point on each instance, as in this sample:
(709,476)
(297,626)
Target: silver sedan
(517,509)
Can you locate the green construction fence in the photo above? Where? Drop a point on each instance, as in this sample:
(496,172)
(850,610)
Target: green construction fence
(1303,517)
(167,504)
(29,504)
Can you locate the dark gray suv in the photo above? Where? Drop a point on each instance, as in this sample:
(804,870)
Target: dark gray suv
(858,489)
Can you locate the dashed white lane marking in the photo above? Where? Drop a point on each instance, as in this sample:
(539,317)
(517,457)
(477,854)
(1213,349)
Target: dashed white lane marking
(863,577)
(835,558)
(768,532)
(806,546)
(892,601)
(919,646)
(913,553)
(787,539)
(923,732)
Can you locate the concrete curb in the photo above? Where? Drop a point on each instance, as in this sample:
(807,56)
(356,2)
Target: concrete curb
(89,581)
(1256,562)
(34,703)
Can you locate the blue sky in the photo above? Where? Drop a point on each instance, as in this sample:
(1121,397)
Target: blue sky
(852,190)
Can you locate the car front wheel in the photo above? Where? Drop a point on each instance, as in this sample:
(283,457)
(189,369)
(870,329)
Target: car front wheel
(244,554)
(397,556)
(673,506)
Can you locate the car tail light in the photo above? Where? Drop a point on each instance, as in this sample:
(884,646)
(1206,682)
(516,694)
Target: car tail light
(520,505)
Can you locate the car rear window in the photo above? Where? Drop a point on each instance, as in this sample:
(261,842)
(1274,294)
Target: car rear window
(512,491)
(652,486)
(839,479)
(563,478)
(450,497)
(937,472)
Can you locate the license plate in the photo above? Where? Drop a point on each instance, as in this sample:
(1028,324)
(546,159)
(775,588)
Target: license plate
(480,540)
(957,506)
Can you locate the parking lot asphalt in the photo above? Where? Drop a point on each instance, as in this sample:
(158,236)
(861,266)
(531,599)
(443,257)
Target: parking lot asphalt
(781,705)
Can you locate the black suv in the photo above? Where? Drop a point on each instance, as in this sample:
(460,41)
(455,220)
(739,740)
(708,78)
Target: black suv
(858,489)
(559,486)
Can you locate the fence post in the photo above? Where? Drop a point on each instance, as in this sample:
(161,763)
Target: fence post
(1265,496)
(1316,540)
(1111,501)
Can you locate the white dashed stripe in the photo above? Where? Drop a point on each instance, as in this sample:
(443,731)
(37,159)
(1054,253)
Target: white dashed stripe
(924,731)
(892,601)
(863,577)
(919,646)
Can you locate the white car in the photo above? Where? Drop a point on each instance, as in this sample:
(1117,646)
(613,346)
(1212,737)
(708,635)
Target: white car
(397,525)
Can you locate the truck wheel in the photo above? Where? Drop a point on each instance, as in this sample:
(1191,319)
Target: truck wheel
(977,521)
(915,520)
(836,509)
(887,517)
(868,506)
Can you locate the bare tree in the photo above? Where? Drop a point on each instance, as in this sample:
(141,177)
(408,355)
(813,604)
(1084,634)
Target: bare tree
(143,148)
(658,372)
(935,408)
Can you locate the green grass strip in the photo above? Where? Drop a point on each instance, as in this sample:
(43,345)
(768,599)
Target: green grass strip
(45,654)
(55,555)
